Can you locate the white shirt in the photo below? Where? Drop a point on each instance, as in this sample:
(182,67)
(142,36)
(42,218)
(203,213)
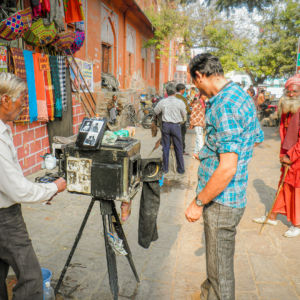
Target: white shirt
(14,187)
(173,110)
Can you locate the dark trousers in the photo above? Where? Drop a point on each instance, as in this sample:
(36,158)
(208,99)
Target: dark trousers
(16,251)
(172,131)
(183,132)
(220,224)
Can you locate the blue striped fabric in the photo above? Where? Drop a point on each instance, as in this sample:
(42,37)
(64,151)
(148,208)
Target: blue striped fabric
(231,126)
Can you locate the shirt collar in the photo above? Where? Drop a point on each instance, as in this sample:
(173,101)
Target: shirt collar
(3,127)
(210,101)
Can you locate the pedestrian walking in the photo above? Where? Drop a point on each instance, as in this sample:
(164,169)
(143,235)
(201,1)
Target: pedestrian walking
(288,200)
(232,130)
(181,91)
(197,121)
(15,245)
(173,112)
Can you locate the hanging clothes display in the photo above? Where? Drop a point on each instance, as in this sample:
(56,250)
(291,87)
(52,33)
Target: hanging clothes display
(20,71)
(45,66)
(33,114)
(56,15)
(40,89)
(62,68)
(56,86)
(73,11)
(3,59)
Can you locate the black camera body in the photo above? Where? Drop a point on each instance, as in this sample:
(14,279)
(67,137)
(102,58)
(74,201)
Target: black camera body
(110,173)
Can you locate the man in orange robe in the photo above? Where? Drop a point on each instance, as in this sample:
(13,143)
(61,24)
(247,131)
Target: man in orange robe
(288,201)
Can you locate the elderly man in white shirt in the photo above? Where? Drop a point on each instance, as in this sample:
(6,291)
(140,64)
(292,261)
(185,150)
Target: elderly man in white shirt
(15,245)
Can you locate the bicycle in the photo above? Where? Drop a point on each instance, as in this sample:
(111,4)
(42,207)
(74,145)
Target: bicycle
(131,114)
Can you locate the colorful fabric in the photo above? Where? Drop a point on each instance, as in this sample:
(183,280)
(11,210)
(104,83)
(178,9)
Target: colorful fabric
(62,80)
(64,40)
(288,204)
(3,59)
(56,86)
(56,15)
(45,67)
(33,114)
(231,126)
(295,80)
(198,114)
(39,34)
(79,39)
(20,71)
(73,11)
(40,89)
(16,25)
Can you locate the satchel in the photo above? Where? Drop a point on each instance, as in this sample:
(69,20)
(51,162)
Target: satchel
(16,25)
(39,34)
(64,40)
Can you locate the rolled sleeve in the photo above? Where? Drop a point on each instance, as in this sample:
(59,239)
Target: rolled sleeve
(228,131)
(15,187)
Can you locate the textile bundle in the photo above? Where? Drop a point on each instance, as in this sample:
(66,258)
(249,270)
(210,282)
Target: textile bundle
(73,11)
(62,80)
(56,86)
(19,70)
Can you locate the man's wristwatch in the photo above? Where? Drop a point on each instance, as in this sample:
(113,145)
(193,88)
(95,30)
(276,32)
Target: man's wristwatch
(199,202)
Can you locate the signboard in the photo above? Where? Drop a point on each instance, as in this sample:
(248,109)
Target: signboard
(86,69)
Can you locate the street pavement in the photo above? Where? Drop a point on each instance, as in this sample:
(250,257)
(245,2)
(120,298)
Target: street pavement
(267,266)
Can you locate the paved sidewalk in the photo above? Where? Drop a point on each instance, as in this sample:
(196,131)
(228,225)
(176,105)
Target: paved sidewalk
(267,266)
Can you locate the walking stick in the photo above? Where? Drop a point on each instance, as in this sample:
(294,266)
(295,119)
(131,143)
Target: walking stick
(286,168)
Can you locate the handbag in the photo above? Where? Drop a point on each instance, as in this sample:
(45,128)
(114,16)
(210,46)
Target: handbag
(64,40)
(78,42)
(39,34)
(16,25)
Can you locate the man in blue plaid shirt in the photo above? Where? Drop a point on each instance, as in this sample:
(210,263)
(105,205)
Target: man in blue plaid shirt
(232,130)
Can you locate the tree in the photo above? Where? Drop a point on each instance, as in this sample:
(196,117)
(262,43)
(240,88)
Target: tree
(250,4)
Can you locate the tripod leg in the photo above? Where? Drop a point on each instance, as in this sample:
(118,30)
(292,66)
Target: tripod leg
(106,211)
(121,234)
(74,246)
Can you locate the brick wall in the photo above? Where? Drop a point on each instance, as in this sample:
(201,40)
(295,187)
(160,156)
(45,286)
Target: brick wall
(78,113)
(31,141)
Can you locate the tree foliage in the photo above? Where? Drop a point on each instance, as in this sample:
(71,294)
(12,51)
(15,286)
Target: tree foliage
(249,4)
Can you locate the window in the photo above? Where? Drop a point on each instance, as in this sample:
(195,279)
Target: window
(106,58)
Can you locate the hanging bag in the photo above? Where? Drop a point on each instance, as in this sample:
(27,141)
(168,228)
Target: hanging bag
(79,39)
(16,25)
(64,40)
(40,35)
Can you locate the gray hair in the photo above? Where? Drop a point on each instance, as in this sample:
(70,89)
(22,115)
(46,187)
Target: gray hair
(170,88)
(11,85)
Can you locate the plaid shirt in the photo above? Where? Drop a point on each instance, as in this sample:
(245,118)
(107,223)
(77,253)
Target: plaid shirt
(231,126)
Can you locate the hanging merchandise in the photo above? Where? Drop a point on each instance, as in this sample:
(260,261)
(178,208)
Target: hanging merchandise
(62,69)
(39,34)
(56,86)
(79,26)
(40,8)
(16,25)
(33,114)
(79,39)
(45,67)
(3,59)
(40,89)
(56,14)
(64,40)
(73,11)
(20,71)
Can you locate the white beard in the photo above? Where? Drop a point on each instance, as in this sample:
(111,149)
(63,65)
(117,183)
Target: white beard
(289,104)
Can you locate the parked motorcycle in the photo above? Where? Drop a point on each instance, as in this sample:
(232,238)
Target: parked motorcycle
(149,114)
(268,113)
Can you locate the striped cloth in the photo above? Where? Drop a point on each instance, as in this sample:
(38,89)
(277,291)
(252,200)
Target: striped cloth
(56,86)
(62,80)
(49,89)
(28,58)
(20,71)
(40,89)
